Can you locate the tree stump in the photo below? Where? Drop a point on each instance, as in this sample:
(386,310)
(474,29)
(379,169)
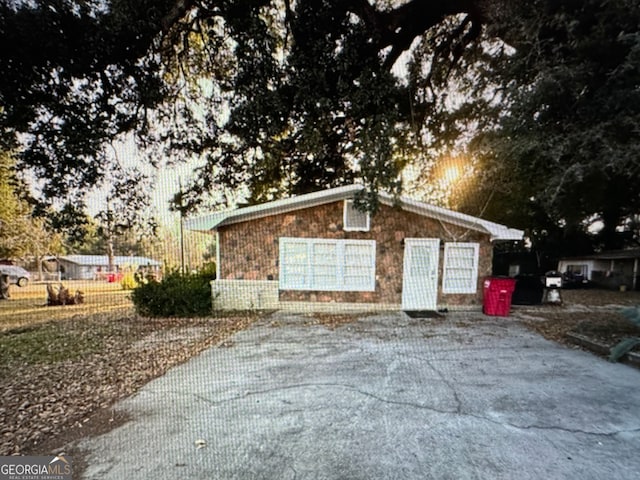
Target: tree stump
(62,296)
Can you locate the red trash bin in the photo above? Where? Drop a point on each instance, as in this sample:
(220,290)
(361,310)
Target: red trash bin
(497,296)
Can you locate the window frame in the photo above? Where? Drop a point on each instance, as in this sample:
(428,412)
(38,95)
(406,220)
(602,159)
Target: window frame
(347,207)
(447,269)
(309,264)
(583,268)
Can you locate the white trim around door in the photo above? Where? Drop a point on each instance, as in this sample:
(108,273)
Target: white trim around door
(420,273)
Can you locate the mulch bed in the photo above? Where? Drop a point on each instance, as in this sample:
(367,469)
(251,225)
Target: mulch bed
(46,404)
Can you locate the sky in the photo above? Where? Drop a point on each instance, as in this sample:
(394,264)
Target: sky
(166,183)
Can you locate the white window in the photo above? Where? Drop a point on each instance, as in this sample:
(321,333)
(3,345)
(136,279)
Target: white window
(354,219)
(327,264)
(580,269)
(460,268)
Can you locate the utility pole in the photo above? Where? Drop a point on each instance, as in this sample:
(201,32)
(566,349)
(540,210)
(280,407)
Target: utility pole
(181,210)
(110,252)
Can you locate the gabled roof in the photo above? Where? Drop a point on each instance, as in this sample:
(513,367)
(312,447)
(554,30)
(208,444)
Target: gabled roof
(103,260)
(213,221)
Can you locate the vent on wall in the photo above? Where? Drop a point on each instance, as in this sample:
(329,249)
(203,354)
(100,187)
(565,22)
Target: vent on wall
(354,219)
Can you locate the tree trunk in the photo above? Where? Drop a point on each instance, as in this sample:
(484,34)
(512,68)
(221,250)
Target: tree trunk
(39,264)
(4,287)
(110,255)
(609,234)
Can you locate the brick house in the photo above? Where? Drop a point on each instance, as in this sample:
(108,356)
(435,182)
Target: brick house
(318,248)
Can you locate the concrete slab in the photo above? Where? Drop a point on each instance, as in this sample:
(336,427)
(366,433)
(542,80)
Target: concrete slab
(388,397)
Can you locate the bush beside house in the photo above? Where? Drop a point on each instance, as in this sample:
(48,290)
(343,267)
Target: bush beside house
(177,295)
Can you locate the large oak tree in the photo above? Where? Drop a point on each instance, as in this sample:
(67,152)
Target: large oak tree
(290,96)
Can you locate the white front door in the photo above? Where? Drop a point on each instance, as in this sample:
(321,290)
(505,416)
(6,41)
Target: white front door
(420,274)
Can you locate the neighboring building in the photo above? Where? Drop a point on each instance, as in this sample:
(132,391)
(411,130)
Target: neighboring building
(318,248)
(96,267)
(609,269)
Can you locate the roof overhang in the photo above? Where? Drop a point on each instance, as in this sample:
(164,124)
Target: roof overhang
(495,230)
(213,221)
(629,254)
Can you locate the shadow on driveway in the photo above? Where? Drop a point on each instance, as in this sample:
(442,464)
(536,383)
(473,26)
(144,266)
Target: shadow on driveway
(385,397)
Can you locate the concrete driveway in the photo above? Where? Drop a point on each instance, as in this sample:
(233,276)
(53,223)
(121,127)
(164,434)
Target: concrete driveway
(386,397)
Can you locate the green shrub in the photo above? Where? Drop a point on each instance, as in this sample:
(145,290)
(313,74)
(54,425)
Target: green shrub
(208,268)
(177,295)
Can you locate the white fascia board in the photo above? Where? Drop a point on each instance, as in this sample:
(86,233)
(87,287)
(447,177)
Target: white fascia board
(437,213)
(496,230)
(506,233)
(289,204)
(212,221)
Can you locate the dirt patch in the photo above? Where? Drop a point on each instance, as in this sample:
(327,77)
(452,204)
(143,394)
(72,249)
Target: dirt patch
(554,325)
(610,331)
(592,297)
(332,320)
(59,380)
(592,313)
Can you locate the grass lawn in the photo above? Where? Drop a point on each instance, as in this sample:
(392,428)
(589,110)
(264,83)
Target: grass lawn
(27,306)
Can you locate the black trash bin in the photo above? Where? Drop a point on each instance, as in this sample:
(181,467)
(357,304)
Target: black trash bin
(529,290)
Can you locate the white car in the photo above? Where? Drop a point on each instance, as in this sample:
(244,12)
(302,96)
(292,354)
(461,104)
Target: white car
(17,275)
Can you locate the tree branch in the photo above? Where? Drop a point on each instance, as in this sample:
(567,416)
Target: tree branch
(397,28)
(180,8)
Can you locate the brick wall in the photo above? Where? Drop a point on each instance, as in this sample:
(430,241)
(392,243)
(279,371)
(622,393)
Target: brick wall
(249,250)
